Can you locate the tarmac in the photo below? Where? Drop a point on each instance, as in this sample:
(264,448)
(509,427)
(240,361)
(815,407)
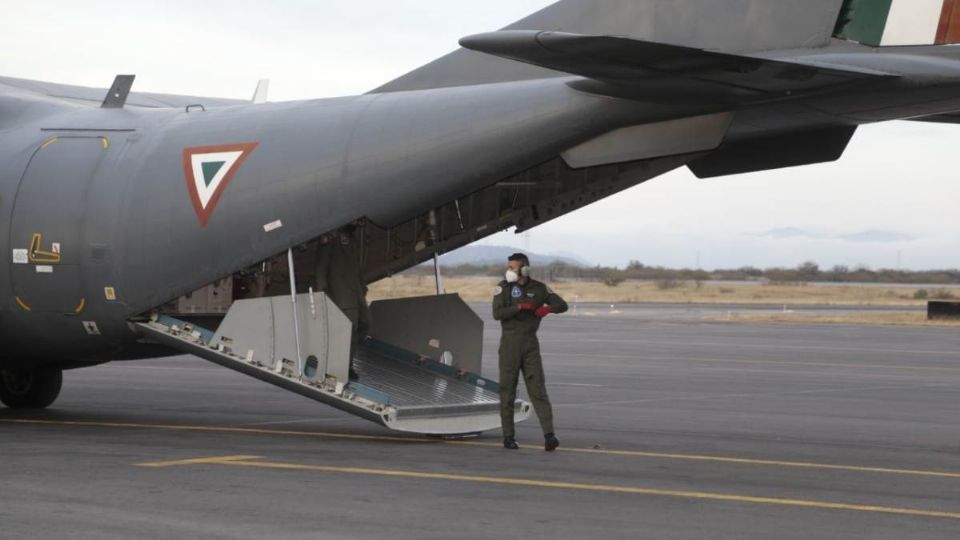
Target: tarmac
(671,428)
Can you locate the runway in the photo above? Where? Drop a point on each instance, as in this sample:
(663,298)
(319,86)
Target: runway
(671,428)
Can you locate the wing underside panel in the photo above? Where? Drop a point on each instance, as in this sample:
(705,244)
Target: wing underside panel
(775,152)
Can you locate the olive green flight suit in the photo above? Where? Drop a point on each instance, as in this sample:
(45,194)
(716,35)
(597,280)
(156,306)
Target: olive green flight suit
(520,349)
(339,275)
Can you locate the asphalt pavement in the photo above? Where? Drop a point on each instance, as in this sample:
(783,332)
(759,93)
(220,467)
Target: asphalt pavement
(670,428)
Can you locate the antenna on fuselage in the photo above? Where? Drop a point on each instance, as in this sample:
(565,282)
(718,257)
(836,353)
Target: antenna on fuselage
(260,94)
(117,95)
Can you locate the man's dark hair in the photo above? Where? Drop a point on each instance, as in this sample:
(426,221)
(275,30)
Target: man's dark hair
(519,257)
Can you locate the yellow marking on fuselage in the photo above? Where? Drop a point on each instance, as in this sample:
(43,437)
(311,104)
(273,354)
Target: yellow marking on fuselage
(250,462)
(23,305)
(48,142)
(80,306)
(421,440)
(39,256)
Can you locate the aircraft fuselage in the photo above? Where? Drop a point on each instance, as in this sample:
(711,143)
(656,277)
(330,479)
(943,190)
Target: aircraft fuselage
(112,212)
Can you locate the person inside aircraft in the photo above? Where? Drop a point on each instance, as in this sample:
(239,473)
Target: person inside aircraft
(338,272)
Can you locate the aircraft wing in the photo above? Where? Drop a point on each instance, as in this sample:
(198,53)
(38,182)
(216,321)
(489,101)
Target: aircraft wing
(950,118)
(658,70)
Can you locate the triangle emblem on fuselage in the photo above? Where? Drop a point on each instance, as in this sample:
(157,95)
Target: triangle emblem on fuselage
(208,170)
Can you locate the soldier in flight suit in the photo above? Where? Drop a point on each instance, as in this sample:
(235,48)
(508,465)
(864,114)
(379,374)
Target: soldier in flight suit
(520,303)
(338,273)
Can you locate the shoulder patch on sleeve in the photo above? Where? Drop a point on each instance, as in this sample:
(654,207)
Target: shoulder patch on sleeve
(498,291)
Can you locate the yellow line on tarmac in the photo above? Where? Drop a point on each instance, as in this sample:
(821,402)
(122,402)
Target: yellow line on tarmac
(422,440)
(220,429)
(608,488)
(197,461)
(749,461)
(819,364)
(765,362)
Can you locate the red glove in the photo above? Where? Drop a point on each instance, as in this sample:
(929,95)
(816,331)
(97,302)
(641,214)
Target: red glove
(543,311)
(527,306)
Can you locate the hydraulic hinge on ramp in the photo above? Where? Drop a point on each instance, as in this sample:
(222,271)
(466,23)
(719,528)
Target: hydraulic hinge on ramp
(399,389)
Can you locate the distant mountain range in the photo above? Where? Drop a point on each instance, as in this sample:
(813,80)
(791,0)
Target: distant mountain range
(497,255)
(491,255)
(871,236)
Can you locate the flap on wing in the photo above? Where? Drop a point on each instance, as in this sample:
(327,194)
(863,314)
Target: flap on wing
(667,70)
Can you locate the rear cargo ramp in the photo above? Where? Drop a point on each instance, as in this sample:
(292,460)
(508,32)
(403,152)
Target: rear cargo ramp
(399,389)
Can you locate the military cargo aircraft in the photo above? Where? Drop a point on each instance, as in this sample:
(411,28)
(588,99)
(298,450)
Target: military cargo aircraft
(137,223)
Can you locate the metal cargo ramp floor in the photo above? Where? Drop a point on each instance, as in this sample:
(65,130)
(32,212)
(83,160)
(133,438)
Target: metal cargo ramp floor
(398,389)
(423,387)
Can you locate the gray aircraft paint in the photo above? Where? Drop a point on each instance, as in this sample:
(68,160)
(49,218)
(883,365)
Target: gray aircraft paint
(726,25)
(445,131)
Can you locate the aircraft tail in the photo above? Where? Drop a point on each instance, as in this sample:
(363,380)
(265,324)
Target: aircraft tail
(733,26)
(881,23)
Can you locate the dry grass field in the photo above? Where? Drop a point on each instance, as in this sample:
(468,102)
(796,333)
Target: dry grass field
(475,289)
(480,289)
(863,317)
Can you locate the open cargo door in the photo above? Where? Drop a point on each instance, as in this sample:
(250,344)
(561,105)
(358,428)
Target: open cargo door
(304,346)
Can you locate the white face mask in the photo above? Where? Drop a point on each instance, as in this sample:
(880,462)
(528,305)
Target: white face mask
(511,276)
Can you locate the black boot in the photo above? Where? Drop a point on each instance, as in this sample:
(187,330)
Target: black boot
(510,443)
(550,442)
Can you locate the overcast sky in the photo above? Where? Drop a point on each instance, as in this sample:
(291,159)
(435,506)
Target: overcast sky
(894,196)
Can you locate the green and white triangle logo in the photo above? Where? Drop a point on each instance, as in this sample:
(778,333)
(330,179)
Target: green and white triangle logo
(208,170)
